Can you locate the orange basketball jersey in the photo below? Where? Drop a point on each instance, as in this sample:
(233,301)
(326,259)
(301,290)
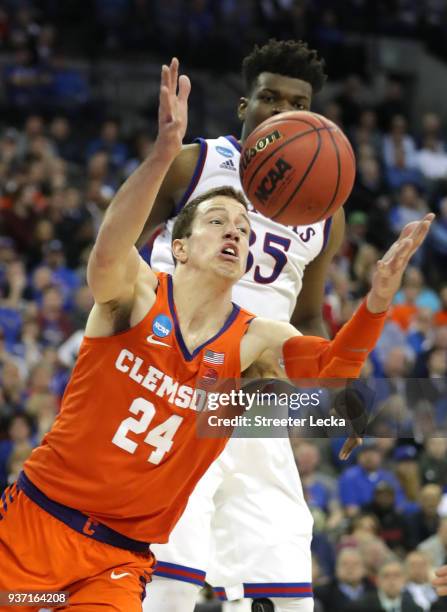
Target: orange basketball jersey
(124,449)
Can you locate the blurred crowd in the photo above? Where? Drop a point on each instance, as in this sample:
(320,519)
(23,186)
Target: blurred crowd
(40,33)
(381,518)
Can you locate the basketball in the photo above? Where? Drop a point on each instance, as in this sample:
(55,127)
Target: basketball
(297,168)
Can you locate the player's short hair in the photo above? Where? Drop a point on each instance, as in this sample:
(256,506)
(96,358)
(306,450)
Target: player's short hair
(291,58)
(183,224)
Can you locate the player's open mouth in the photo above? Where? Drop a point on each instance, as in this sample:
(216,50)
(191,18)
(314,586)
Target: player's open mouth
(230,252)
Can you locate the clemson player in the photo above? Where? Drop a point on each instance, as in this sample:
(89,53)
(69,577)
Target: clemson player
(116,470)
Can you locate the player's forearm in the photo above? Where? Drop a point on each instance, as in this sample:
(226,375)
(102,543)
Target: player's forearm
(127,214)
(342,357)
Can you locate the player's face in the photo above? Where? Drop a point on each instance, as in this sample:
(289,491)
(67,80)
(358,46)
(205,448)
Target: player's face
(219,239)
(273,94)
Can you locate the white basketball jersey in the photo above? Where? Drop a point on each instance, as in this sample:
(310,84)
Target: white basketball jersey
(278,253)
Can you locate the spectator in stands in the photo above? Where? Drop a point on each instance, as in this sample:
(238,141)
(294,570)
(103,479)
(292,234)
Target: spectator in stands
(433,461)
(363,528)
(431,159)
(17,458)
(390,595)
(437,245)
(349,584)
(437,341)
(20,432)
(369,197)
(64,140)
(142,147)
(409,206)
(440,317)
(398,142)
(413,295)
(319,489)
(68,89)
(109,142)
(419,329)
(27,348)
(392,528)
(366,131)
(393,103)
(435,547)
(62,276)
(395,369)
(55,324)
(21,81)
(432,128)
(12,382)
(406,468)
(418,584)
(42,407)
(399,173)
(18,221)
(357,484)
(375,553)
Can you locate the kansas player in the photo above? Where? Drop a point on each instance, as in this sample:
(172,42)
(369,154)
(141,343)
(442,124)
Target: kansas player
(255,544)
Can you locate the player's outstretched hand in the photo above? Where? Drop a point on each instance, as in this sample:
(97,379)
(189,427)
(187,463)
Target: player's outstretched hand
(349,446)
(387,276)
(172,110)
(440,583)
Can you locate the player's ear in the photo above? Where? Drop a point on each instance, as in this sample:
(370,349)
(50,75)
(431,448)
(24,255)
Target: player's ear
(179,250)
(242,107)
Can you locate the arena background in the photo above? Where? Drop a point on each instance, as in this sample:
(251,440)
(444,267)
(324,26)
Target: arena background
(78,113)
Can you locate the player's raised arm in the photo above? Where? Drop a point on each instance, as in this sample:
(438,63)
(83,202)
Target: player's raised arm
(114,262)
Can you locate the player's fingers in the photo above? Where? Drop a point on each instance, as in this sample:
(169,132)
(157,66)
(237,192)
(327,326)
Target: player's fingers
(440,585)
(411,229)
(350,444)
(441,572)
(421,232)
(173,75)
(391,252)
(165,109)
(164,76)
(184,88)
(401,256)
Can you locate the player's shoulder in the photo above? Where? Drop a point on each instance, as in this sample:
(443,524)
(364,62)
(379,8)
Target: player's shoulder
(180,171)
(266,328)
(188,156)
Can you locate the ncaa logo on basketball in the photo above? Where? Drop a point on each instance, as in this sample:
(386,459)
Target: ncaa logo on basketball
(225,152)
(270,181)
(260,145)
(162,326)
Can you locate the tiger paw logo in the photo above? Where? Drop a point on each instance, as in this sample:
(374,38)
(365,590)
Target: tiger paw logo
(209,377)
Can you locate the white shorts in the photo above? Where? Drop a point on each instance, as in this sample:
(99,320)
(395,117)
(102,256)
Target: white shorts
(246,526)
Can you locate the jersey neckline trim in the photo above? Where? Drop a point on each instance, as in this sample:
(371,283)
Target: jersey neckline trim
(234,142)
(196,176)
(178,334)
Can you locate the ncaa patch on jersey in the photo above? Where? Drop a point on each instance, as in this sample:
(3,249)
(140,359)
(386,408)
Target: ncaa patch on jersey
(225,151)
(162,326)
